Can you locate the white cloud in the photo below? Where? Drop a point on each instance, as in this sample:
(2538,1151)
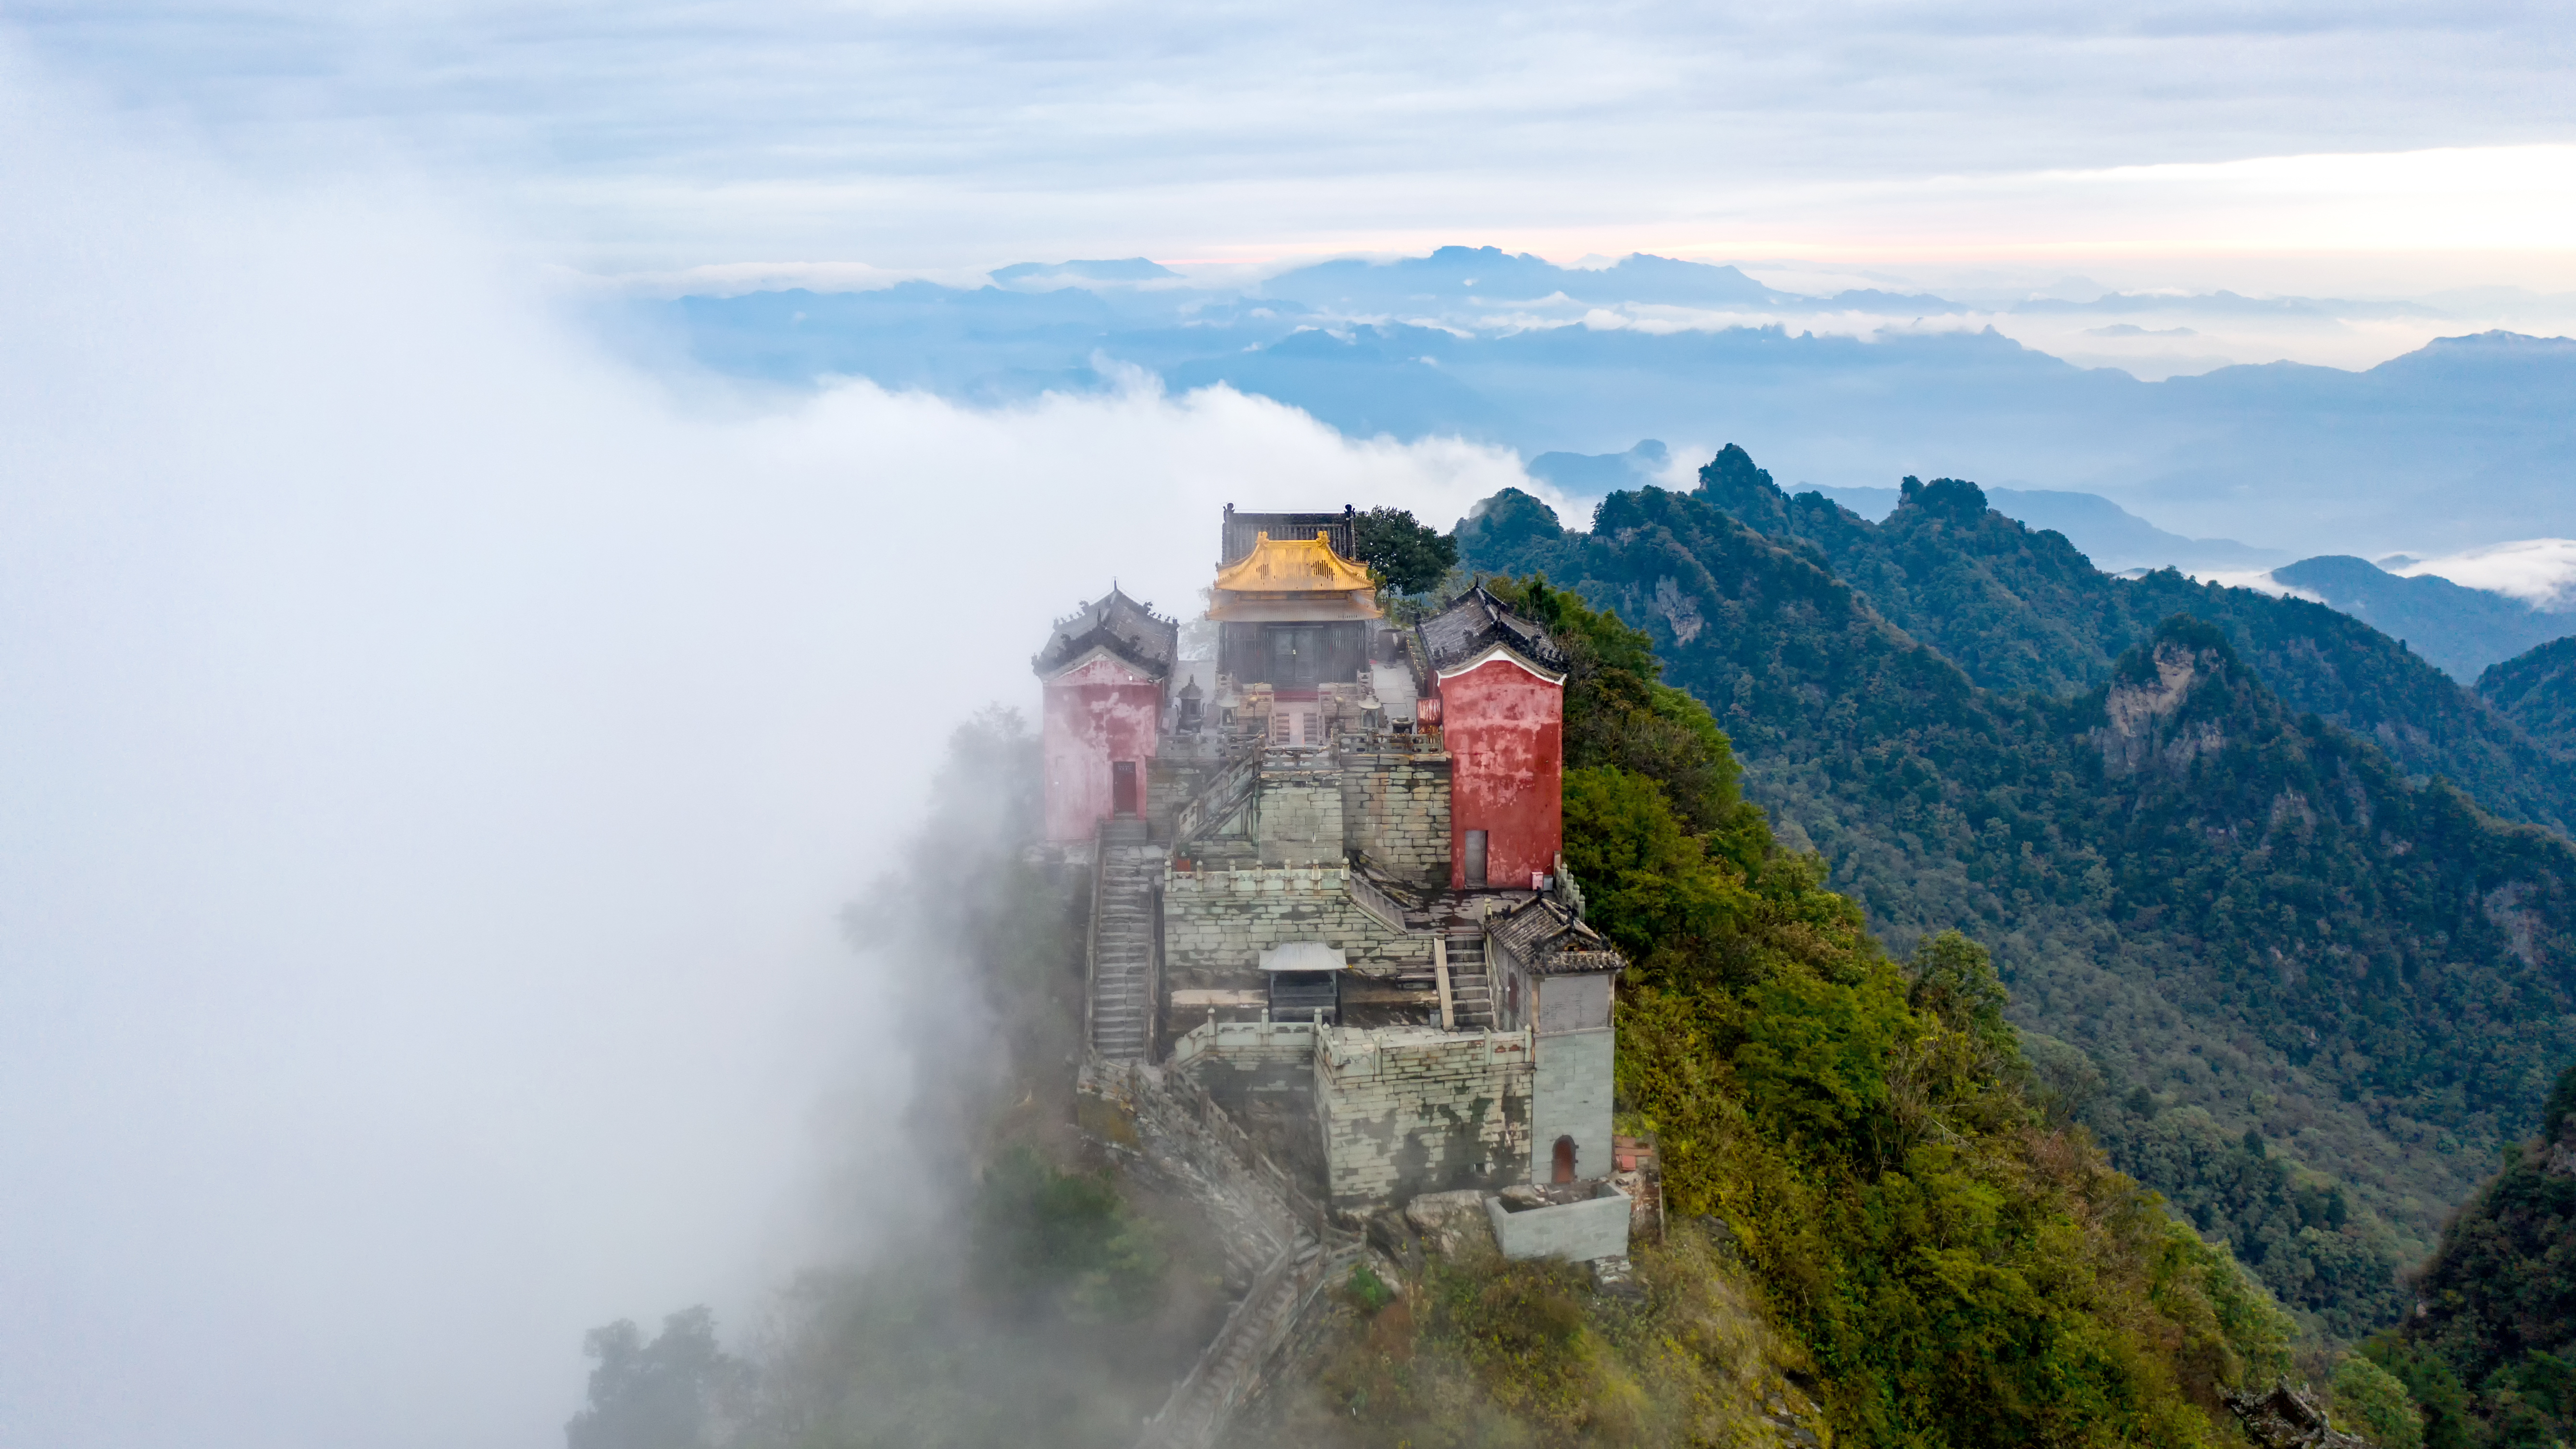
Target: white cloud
(432,758)
(2539,571)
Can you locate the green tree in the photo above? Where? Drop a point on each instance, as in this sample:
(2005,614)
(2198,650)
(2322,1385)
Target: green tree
(1063,1241)
(1954,979)
(2491,1353)
(1959,1275)
(2369,1398)
(677,1390)
(1406,556)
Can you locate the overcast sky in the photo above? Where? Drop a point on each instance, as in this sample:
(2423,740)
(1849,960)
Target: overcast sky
(656,134)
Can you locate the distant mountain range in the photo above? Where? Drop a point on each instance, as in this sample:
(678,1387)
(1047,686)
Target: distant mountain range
(2460,443)
(2459,630)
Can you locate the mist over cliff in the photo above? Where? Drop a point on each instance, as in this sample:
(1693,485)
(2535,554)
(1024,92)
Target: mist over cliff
(436,759)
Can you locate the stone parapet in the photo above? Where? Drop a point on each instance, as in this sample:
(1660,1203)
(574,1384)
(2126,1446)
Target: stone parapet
(1581,1231)
(1245,1040)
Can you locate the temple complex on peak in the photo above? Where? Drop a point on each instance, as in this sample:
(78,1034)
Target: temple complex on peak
(1326,882)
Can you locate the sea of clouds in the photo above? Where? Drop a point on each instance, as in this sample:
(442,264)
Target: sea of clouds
(431,758)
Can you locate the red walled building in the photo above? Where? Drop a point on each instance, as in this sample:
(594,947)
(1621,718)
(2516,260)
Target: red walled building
(1499,682)
(1104,673)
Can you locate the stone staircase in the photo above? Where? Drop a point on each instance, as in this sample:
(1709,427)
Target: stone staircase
(1122,941)
(1471,986)
(1273,1234)
(1196,1415)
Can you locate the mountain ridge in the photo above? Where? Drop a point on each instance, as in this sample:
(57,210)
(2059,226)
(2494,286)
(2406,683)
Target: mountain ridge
(2245,911)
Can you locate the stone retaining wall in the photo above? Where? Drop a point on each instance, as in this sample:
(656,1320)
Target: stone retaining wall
(1409,1110)
(1298,817)
(1395,807)
(1216,924)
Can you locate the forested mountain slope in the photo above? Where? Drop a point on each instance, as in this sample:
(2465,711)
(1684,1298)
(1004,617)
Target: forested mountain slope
(1849,1143)
(2022,609)
(2538,692)
(2492,1354)
(2459,630)
(2245,917)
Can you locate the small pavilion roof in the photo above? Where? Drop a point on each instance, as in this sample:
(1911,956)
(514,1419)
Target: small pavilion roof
(1551,940)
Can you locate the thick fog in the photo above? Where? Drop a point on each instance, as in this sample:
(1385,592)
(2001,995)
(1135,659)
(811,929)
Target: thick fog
(431,759)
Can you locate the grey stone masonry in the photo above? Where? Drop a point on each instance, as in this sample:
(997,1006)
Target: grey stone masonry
(1570,1097)
(1298,818)
(1172,781)
(1595,1227)
(1409,1110)
(1216,924)
(1395,808)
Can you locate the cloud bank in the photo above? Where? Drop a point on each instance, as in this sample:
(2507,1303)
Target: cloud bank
(431,759)
(2539,571)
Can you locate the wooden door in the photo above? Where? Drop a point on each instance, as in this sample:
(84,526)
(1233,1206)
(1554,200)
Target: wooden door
(1122,788)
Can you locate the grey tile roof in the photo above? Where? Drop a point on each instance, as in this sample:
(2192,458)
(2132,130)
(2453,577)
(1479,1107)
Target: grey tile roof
(1474,622)
(1552,940)
(1119,624)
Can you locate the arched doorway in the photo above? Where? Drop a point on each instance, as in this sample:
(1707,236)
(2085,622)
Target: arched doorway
(1564,1170)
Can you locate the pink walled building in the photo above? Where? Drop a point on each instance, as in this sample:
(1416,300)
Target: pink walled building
(1104,674)
(1504,725)
(1101,714)
(1499,682)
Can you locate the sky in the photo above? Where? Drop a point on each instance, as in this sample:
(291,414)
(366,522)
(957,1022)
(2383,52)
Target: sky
(2382,148)
(433,753)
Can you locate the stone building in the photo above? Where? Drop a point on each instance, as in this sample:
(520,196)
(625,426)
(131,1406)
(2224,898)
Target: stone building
(1326,879)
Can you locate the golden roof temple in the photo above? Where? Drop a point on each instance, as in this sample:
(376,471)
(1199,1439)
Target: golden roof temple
(1294,579)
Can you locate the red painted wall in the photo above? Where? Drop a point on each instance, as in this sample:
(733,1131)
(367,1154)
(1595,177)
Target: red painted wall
(1505,729)
(1097,713)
